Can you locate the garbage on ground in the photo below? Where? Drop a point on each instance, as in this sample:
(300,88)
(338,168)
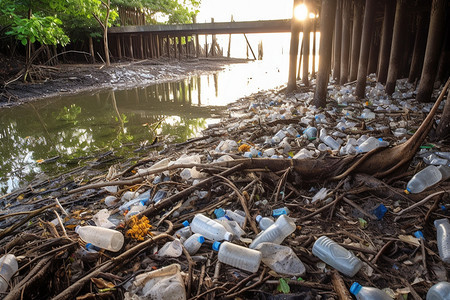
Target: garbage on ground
(246,170)
(281,259)
(368,293)
(8,267)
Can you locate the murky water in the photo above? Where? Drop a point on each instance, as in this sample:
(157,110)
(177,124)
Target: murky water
(55,135)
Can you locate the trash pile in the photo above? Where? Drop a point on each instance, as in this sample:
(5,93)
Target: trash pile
(211,218)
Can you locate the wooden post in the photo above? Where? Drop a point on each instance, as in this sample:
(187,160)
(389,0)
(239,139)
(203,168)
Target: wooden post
(420,43)
(356,39)
(229,40)
(444,61)
(248,44)
(213,42)
(369,16)
(300,58)
(168,46)
(141,42)
(397,46)
(187,46)
(197,41)
(386,41)
(326,34)
(295,31)
(345,45)
(374,51)
(130,46)
(434,43)
(159,43)
(337,41)
(306,43)
(314,47)
(206,45)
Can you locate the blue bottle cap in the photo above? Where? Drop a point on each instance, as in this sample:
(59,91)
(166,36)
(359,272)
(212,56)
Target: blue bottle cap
(258,218)
(219,212)
(143,202)
(278,212)
(380,139)
(380,211)
(201,239)
(216,246)
(355,288)
(418,234)
(185,223)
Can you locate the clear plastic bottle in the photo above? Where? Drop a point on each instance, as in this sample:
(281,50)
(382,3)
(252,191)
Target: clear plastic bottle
(104,238)
(330,142)
(336,256)
(280,211)
(183,233)
(370,144)
(235,216)
(443,238)
(264,222)
(276,233)
(238,256)
(426,178)
(368,293)
(8,266)
(439,291)
(210,229)
(193,243)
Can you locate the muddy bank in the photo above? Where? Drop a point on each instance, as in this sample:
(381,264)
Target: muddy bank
(72,79)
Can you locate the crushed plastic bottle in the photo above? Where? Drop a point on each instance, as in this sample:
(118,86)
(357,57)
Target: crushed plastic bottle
(171,249)
(426,178)
(281,259)
(183,233)
(231,226)
(370,144)
(439,291)
(368,293)
(104,238)
(238,256)
(276,233)
(162,284)
(328,140)
(280,211)
(336,256)
(8,267)
(264,222)
(210,229)
(443,238)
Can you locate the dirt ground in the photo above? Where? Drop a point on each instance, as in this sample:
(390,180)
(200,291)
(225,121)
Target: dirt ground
(70,78)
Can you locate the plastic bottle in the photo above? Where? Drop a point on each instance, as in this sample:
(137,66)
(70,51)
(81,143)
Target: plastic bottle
(264,222)
(183,233)
(235,216)
(171,249)
(281,259)
(193,243)
(368,293)
(336,256)
(330,142)
(8,266)
(276,233)
(280,211)
(370,144)
(439,291)
(238,256)
(104,238)
(443,238)
(426,178)
(310,132)
(135,209)
(231,226)
(210,229)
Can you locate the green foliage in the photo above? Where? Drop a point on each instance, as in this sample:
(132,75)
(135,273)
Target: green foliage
(283,286)
(69,114)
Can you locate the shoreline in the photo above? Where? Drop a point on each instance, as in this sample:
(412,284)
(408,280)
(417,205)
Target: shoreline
(67,79)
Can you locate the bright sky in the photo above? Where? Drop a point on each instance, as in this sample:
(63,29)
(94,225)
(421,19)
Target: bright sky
(244,10)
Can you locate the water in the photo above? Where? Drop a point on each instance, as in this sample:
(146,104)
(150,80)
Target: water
(51,136)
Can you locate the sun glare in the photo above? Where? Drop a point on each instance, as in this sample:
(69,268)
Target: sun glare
(301,12)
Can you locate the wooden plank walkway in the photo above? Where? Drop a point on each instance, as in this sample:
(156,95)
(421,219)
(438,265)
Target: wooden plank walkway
(267,26)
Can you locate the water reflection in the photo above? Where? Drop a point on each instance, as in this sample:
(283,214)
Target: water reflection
(79,127)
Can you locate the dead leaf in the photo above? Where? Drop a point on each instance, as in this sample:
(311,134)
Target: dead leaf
(101,283)
(409,239)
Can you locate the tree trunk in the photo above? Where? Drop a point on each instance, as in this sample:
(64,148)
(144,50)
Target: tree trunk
(443,129)
(434,44)
(293,50)
(420,44)
(105,34)
(305,45)
(337,42)
(326,34)
(369,15)
(386,40)
(356,38)
(345,45)
(91,50)
(397,46)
